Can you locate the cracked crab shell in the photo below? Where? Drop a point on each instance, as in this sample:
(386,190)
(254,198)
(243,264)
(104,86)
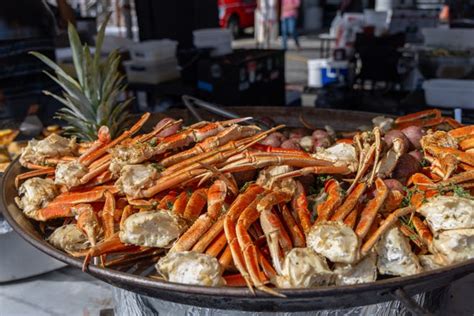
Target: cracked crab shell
(335,241)
(448,212)
(455,245)
(191,267)
(395,256)
(152,229)
(304,268)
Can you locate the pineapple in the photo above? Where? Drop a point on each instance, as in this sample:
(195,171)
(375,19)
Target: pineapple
(90,100)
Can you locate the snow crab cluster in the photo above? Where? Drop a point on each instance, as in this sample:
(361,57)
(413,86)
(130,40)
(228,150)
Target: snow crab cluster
(216,204)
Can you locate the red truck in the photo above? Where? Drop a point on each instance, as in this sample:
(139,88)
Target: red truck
(236,15)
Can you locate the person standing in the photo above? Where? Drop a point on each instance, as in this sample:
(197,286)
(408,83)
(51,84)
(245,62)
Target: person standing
(289,15)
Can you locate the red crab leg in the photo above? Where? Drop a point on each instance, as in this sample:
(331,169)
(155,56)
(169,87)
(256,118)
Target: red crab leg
(326,209)
(300,206)
(370,211)
(386,224)
(349,203)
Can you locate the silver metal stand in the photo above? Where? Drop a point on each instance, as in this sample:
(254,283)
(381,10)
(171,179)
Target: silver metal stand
(131,304)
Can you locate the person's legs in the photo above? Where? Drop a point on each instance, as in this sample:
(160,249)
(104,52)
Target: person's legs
(292,30)
(284,33)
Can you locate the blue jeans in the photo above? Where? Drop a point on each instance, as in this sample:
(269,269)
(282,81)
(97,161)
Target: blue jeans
(288,28)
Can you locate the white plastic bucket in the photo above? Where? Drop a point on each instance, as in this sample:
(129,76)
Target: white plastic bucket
(322,72)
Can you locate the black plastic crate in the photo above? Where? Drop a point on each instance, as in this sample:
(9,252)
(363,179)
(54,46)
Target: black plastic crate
(245,77)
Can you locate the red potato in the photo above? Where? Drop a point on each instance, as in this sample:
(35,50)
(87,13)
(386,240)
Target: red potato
(414,135)
(273,140)
(407,166)
(307,143)
(322,142)
(391,135)
(319,133)
(298,133)
(290,144)
(394,185)
(395,133)
(169,130)
(418,155)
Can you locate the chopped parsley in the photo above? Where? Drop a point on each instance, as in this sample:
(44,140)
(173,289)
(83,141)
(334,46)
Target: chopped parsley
(158,167)
(407,222)
(153,142)
(461,192)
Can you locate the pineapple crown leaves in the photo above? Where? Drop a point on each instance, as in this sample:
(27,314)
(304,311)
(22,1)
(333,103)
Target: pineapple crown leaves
(90,101)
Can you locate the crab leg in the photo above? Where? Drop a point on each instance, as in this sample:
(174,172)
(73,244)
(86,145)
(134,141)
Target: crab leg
(246,200)
(93,195)
(88,222)
(216,247)
(279,150)
(108,214)
(171,181)
(351,219)
(109,245)
(326,209)
(422,115)
(195,205)
(167,202)
(215,206)
(462,133)
(226,258)
(300,206)
(378,150)
(53,211)
(233,213)
(274,231)
(103,138)
(91,157)
(460,155)
(231,133)
(146,137)
(312,170)
(459,178)
(364,165)
(191,135)
(257,162)
(248,248)
(349,203)
(297,236)
(423,231)
(386,224)
(33,173)
(370,211)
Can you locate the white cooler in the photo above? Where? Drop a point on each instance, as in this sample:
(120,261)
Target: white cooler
(322,72)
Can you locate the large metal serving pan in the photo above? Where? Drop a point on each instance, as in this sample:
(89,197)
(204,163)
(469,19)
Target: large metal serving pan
(331,297)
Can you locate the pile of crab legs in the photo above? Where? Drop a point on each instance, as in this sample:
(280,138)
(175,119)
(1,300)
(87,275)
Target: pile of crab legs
(108,190)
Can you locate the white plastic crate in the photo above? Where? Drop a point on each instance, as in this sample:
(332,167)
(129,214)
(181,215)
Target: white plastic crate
(450,93)
(154,50)
(455,38)
(218,39)
(152,72)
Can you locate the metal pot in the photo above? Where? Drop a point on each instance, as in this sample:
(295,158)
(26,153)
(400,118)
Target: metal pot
(330,297)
